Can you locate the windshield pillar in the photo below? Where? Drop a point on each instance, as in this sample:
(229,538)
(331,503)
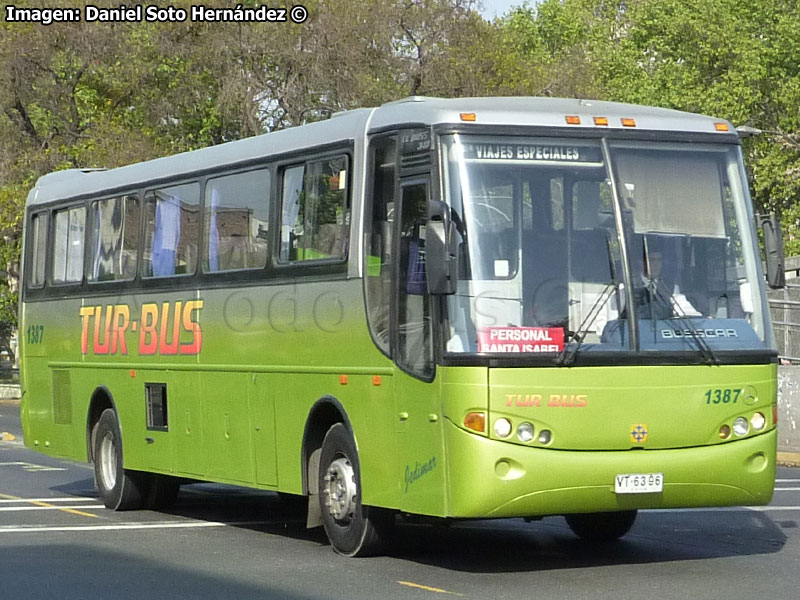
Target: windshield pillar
(633,332)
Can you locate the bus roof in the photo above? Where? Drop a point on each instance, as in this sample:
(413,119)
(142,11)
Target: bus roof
(354,124)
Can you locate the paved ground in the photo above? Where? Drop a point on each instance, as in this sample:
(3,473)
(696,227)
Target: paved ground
(56,540)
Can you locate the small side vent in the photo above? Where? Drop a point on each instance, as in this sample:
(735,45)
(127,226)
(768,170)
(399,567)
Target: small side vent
(156,398)
(62,397)
(415,161)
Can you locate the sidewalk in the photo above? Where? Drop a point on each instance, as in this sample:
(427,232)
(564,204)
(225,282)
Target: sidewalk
(9,391)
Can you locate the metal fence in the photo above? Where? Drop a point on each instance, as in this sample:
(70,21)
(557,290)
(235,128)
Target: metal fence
(784,307)
(7,372)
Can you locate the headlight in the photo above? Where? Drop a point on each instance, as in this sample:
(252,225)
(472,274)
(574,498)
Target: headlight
(502,428)
(545,436)
(758,421)
(741,426)
(525,432)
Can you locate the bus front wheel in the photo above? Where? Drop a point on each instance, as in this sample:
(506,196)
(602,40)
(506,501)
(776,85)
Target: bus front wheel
(119,488)
(601,527)
(352,528)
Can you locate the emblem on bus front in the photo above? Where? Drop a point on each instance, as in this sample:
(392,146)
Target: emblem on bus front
(639,433)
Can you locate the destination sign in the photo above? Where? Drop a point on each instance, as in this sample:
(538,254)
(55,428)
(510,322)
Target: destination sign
(521,339)
(532,152)
(417,140)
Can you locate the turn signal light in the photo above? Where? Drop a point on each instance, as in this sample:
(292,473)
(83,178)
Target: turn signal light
(573,120)
(476,421)
(725,432)
(471,117)
(601,121)
(628,122)
(721,127)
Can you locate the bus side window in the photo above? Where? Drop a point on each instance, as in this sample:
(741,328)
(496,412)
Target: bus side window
(70,225)
(237,221)
(114,234)
(171,219)
(315,211)
(38,249)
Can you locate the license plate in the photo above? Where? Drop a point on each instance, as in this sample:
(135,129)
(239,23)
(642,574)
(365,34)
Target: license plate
(639,483)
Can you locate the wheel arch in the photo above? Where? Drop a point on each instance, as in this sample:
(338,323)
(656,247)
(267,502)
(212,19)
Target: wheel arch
(326,412)
(101,399)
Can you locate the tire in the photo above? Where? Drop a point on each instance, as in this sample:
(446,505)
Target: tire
(119,488)
(352,528)
(601,527)
(162,491)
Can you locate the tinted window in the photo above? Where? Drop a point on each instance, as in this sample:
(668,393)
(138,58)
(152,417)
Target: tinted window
(70,225)
(171,216)
(315,215)
(39,249)
(237,221)
(114,227)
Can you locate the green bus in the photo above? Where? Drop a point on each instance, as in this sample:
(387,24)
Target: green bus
(456,308)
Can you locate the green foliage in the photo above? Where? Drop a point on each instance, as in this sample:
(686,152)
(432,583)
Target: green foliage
(735,59)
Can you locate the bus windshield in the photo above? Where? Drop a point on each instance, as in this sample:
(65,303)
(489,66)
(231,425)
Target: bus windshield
(556,244)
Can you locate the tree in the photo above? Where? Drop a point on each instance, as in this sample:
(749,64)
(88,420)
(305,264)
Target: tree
(735,59)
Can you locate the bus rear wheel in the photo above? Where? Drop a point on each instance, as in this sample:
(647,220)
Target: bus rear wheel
(601,527)
(352,528)
(119,488)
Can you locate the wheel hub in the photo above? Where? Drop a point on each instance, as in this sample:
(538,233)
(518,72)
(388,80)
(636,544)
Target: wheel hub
(108,462)
(340,489)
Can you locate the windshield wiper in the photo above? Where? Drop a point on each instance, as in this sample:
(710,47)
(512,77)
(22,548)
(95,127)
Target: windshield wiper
(567,356)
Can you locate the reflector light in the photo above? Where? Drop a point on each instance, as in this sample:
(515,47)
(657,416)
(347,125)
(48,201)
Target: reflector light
(476,421)
(774,415)
(573,120)
(721,127)
(376,380)
(343,379)
(601,121)
(469,117)
(628,122)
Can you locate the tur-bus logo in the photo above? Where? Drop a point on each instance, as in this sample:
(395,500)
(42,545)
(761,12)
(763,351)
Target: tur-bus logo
(159,328)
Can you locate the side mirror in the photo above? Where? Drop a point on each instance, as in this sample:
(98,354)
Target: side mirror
(773,250)
(441,250)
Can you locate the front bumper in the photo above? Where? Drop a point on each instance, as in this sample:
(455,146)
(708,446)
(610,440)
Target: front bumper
(488,478)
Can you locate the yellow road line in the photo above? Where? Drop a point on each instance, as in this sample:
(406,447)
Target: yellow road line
(47,504)
(428,588)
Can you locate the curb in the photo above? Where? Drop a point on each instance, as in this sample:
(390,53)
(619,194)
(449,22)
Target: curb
(789,459)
